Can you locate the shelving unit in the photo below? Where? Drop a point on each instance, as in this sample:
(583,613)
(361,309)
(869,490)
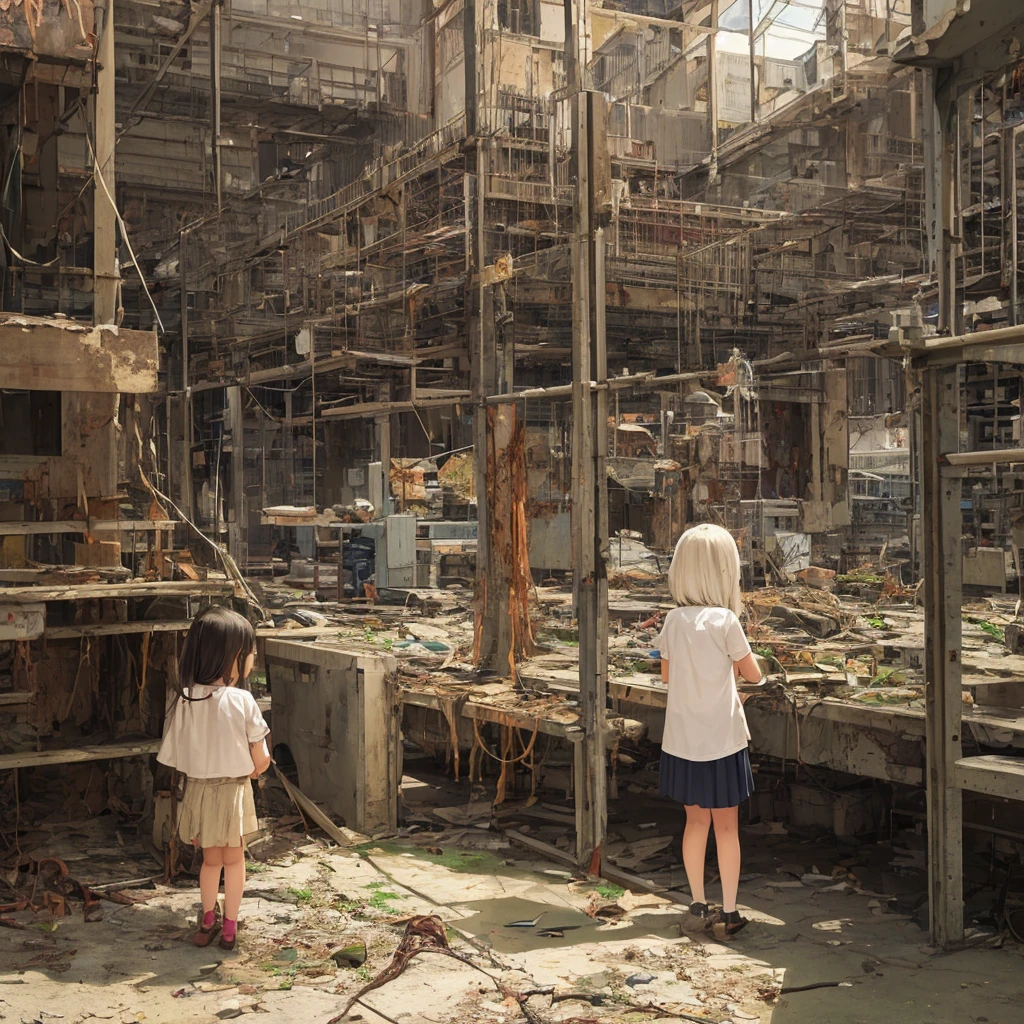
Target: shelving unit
(30,599)
(394,539)
(946,398)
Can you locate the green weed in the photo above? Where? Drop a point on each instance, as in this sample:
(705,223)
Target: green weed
(994,631)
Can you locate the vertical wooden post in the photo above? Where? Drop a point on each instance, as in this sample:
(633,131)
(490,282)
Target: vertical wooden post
(186,498)
(384,454)
(471,13)
(751,43)
(942,558)
(946,240)
(1011,265)
(215,93)
(105,274)
(289,451)
(589,483)
(238,525)
(713,94)
(817,483)
(943,581)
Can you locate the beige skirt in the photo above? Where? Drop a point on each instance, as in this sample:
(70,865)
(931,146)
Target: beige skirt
(217,812)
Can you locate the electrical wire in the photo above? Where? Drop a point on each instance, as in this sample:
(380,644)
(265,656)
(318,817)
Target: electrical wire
(263,408)
(24,259)
(265,387)
(230,565)
(124,235)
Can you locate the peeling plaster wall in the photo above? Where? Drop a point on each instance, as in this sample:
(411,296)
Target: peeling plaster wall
(57,29)
(88,462)
(449,64)
(552,23)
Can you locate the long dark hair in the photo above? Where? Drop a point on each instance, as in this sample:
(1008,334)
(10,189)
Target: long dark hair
(217,640)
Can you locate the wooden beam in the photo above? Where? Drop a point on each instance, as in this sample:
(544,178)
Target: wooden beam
(490,713)
(998,456)
(63,575)
(86,526)
(76,755)
(117,629)
(61,355)
(355,412)
(992,775)
(85,591)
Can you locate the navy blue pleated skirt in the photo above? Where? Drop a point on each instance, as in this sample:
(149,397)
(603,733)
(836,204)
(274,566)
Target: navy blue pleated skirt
(727,782)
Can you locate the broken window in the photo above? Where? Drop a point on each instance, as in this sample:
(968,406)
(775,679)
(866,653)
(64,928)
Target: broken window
(518,16)
(30,422)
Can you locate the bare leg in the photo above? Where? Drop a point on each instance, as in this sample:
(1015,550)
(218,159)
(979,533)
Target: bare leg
(234,880)
(727,839)
(209,877)
(695,848)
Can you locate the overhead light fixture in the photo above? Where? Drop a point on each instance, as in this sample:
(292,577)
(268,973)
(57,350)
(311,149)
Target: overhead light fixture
(296,17)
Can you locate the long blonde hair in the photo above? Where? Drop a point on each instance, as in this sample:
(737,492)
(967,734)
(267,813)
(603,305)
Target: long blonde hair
(705,569)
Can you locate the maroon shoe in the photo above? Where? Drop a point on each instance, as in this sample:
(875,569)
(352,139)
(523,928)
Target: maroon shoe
(204,936)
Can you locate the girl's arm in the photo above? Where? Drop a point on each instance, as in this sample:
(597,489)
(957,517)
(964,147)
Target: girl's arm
(747,668)
(260,758)
(664,671)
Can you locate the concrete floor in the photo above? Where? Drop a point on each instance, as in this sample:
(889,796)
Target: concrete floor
(137,965)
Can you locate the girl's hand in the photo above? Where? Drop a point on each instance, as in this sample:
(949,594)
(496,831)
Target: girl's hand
(260,758)
(748,669)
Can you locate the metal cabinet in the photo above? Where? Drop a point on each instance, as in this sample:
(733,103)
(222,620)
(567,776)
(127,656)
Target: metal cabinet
(335,717)
(397,567)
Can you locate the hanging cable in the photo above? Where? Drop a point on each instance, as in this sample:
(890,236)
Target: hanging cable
(124,235)
(24,259)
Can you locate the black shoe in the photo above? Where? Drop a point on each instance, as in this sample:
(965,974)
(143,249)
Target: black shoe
(732,923)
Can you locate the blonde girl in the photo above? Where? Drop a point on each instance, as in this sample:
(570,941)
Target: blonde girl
(704,761)
(216,736)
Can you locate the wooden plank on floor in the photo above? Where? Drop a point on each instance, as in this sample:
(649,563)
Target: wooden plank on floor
(341,835)
(536,846)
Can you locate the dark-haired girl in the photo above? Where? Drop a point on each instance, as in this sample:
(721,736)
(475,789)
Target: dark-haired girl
(216,737)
